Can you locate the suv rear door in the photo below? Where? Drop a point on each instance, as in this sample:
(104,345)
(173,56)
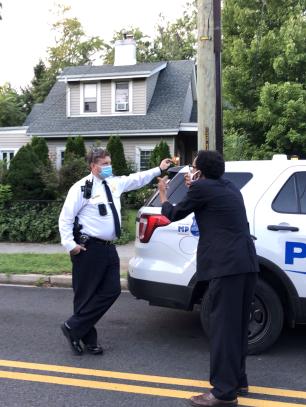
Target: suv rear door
(280,225)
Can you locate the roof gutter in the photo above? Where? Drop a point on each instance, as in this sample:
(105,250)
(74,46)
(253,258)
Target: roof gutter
(122,133)
(106,76)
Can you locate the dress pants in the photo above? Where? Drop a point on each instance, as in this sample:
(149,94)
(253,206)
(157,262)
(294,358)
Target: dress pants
(96,286)
(230,306)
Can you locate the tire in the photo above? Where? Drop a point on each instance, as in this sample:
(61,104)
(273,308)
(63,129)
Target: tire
(266,319)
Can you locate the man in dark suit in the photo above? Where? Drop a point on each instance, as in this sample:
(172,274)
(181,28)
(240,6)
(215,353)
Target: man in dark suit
(226,257)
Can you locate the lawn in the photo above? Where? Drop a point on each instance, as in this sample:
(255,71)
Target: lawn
(50,264)
(34,263)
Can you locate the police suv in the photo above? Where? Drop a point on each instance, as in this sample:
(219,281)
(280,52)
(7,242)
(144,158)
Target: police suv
(162,270)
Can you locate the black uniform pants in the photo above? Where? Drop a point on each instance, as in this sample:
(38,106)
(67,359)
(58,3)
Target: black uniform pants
(230,307)
(96,286)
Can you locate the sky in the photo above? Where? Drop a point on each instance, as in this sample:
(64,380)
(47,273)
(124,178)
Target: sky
(25,28)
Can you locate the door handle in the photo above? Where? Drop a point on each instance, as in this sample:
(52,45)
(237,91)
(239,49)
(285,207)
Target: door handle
(282,227)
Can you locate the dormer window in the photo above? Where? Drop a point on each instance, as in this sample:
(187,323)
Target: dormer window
(122,97)
(90,97)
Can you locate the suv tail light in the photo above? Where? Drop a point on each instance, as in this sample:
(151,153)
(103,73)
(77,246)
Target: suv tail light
(148,223)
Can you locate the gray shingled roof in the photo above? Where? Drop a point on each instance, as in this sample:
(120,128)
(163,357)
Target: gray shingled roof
(164,113)
(89,70)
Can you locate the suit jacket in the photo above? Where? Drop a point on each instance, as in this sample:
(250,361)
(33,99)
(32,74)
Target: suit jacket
(225,246)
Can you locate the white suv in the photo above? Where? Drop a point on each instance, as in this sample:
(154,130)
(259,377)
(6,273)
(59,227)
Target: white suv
(163,268)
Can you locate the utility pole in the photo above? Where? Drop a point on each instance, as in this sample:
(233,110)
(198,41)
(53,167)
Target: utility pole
(210,132)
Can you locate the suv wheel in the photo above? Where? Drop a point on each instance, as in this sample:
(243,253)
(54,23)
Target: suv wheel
(266,318)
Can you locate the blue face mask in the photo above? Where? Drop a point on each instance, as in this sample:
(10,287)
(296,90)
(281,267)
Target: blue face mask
(106,171)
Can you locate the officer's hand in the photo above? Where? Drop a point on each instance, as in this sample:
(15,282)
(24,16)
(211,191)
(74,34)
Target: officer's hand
(77,249)
(165,164)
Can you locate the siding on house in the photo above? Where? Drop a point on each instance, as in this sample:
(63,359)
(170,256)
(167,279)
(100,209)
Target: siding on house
(106,97)
(151,84)
(74,89)
(131,146)
(13,138)
(139,96)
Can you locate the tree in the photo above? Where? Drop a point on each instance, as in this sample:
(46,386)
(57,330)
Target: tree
(11,112)
(72,171)
(47,171)
(72,47)
(24,175)
(40,148)
(176,40)
(160,152)
(115,148)
(75,147)
(264,53)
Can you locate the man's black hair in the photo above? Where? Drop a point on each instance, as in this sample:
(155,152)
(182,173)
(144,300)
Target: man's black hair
(211,164)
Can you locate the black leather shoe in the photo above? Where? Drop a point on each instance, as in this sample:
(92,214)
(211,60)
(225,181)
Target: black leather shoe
(94,349)
(73,343)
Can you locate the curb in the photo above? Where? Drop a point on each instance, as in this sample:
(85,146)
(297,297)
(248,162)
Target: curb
(40,280)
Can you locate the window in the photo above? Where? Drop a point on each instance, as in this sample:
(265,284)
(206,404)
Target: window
(239,179)
(90,97)
(301,181)
(122,96)
(292,197)
(60,155)
(177,188)
(7,156)
(145,156)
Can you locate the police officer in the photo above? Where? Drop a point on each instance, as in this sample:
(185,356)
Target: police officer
(226,258)
(95,202)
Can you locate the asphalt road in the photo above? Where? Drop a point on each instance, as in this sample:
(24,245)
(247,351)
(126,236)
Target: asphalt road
(140,342)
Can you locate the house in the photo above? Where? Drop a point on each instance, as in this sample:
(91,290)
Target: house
(142,103)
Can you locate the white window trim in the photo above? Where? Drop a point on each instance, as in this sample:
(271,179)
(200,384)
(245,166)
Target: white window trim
(7,150)
(59,151)
(138,150)
(98,112)
(113,99)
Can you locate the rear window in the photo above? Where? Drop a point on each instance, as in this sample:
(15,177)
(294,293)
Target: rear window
(239,179)
(177,188)
(292,197)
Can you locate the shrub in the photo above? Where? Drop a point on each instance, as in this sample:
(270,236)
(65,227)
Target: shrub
(30,221)
(115,148)
(24,175)
(75,147)
(71,172)
(137,198)
(40,148)
(160,152)
(5,194)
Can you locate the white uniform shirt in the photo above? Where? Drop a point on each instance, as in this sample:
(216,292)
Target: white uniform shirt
(93,224)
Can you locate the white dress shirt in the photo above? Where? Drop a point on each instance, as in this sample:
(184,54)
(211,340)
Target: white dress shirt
(93,224)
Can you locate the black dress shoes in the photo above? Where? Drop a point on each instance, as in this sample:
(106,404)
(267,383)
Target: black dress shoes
(94,349)
(73,343)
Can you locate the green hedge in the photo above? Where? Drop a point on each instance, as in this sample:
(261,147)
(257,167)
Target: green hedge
(30,221)
(37,221)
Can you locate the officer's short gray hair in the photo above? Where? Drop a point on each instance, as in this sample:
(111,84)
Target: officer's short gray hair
(95,153)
